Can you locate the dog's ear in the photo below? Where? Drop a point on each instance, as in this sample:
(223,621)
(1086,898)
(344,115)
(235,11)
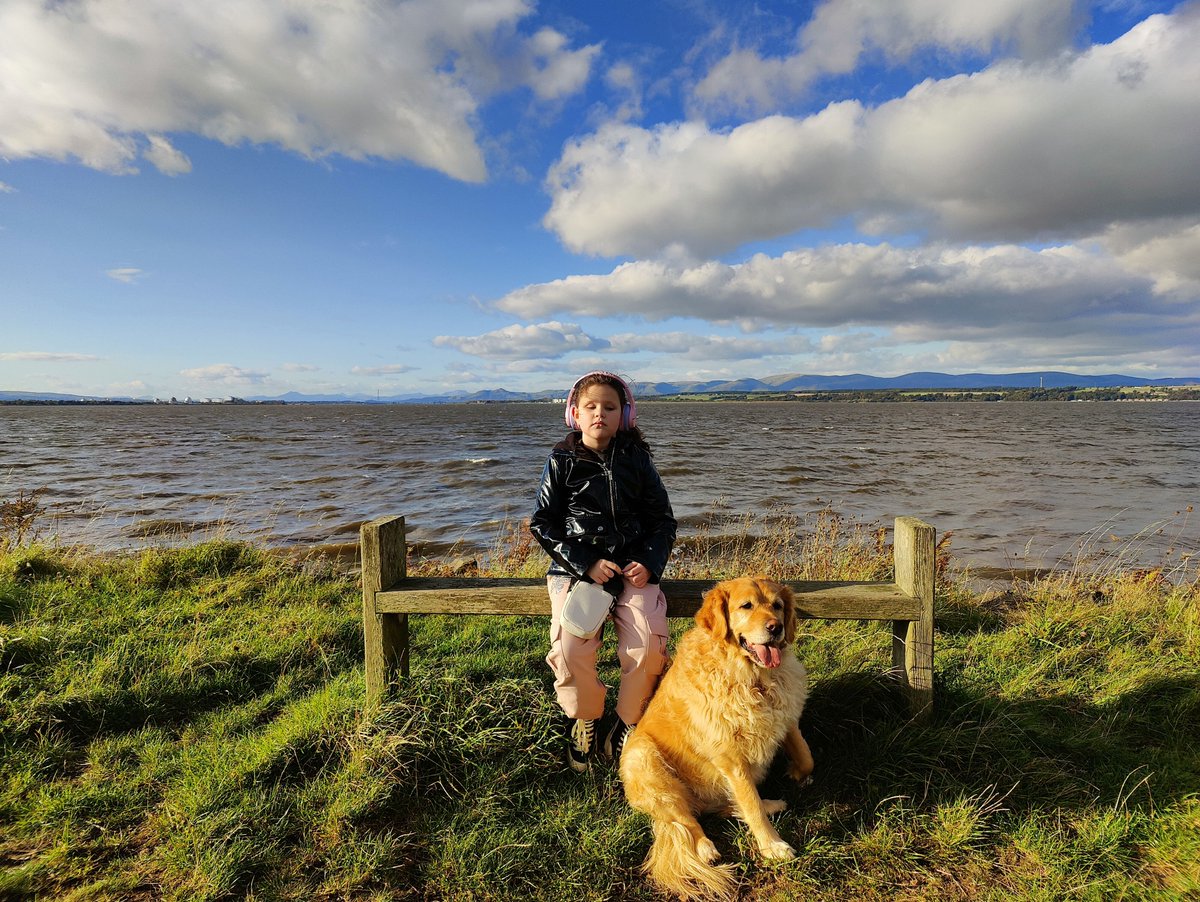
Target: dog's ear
(789,613)
(714,614)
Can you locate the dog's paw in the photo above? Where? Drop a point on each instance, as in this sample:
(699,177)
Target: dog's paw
(800,775)
(773,806)
(778,851)
(707,851)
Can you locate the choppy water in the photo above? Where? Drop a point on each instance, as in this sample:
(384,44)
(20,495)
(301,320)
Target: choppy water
(1019,484)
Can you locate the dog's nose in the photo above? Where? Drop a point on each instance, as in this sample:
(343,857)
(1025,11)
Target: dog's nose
(775,628)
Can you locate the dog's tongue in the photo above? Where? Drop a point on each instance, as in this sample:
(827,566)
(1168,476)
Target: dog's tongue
(768,655)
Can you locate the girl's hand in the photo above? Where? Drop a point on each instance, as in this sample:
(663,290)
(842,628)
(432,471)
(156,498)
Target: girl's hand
(602,571)
(637,575)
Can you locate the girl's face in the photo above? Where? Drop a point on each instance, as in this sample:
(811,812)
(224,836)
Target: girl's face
(597,410)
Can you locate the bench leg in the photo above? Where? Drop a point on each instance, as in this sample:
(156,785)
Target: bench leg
(912,660)
(912,641)
(385,636)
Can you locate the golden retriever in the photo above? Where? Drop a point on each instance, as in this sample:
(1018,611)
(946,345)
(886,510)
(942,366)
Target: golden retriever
(731,697)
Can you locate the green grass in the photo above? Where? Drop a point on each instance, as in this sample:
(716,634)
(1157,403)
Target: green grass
(189,724)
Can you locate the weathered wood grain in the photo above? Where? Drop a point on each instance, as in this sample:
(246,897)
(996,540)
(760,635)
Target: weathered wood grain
(385,633)
(814,600)
(914,546)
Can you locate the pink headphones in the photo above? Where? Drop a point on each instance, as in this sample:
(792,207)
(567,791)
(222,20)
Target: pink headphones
(628,411)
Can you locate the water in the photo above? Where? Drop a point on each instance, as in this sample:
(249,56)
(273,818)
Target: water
(1019,484)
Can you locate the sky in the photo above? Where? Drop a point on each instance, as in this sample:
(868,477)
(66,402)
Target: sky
(418,197)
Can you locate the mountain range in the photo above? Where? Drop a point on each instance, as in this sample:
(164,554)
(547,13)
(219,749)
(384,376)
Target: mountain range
(787,382)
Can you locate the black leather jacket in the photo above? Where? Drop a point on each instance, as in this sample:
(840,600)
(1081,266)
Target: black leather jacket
(590,508)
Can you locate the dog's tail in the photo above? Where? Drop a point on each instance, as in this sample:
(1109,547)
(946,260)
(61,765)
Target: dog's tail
(674,864)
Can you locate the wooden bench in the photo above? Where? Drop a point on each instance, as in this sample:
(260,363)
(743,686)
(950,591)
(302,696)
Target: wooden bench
(390,596)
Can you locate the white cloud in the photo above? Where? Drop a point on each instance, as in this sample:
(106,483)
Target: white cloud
(6,188)
(48,357)
(300,368)
(225,374)
(854,284)
(539,348)
(1098,353)
(623,81)
(842,32)
(524,367)
(630,190)
(387,369)
(542,340)
(165,157)
(126,274)
(1016,152)
(691,346)
(1085,302)
(103,82)
(554,71)
(1166,251)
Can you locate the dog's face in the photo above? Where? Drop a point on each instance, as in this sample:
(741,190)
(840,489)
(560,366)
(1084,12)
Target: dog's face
(756,615)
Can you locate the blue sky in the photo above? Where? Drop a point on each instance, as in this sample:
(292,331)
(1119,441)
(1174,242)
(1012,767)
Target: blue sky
(235,198)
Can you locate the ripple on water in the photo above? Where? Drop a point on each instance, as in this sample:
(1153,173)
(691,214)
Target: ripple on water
(1000,475)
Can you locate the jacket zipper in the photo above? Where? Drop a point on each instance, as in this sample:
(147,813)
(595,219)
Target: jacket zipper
(612,501)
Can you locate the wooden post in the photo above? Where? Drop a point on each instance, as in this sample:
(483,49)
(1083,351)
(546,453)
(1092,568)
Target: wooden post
(385,636)
(912,641)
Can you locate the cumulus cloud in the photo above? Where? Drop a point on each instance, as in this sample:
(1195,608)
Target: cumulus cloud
(841,32)
(103,83)
(300,368)
(977,295)
(126,274)
(48,357)
(225,374)
(547,340)
(1166,251)
(631,190)
(1016,152)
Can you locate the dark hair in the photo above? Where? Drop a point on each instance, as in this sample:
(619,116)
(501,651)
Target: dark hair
(592,379)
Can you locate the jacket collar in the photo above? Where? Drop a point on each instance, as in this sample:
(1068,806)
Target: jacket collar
(573,444)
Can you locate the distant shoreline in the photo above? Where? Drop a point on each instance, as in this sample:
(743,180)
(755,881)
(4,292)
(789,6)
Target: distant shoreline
(1070,393)
(1131,393)
(128,402)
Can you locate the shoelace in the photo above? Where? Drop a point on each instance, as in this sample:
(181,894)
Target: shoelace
(583,734)
(619,745)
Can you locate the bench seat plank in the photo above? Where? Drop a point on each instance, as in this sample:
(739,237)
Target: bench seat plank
(480,595)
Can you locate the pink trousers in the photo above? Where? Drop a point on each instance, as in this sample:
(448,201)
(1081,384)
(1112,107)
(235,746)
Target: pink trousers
(640,619)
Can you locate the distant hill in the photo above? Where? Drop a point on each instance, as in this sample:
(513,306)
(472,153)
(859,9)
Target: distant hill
(785,382)
(52,396)
(799,382)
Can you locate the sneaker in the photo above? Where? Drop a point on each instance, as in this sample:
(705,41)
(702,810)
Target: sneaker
(581,742)
(614,742)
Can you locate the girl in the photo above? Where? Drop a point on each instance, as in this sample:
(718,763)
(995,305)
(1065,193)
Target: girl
(603,516)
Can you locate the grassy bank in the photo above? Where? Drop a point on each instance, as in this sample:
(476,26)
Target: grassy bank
(188,724)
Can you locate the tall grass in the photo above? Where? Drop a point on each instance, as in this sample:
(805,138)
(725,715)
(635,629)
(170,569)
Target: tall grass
(188,723)
(1099,555)
(782,544)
